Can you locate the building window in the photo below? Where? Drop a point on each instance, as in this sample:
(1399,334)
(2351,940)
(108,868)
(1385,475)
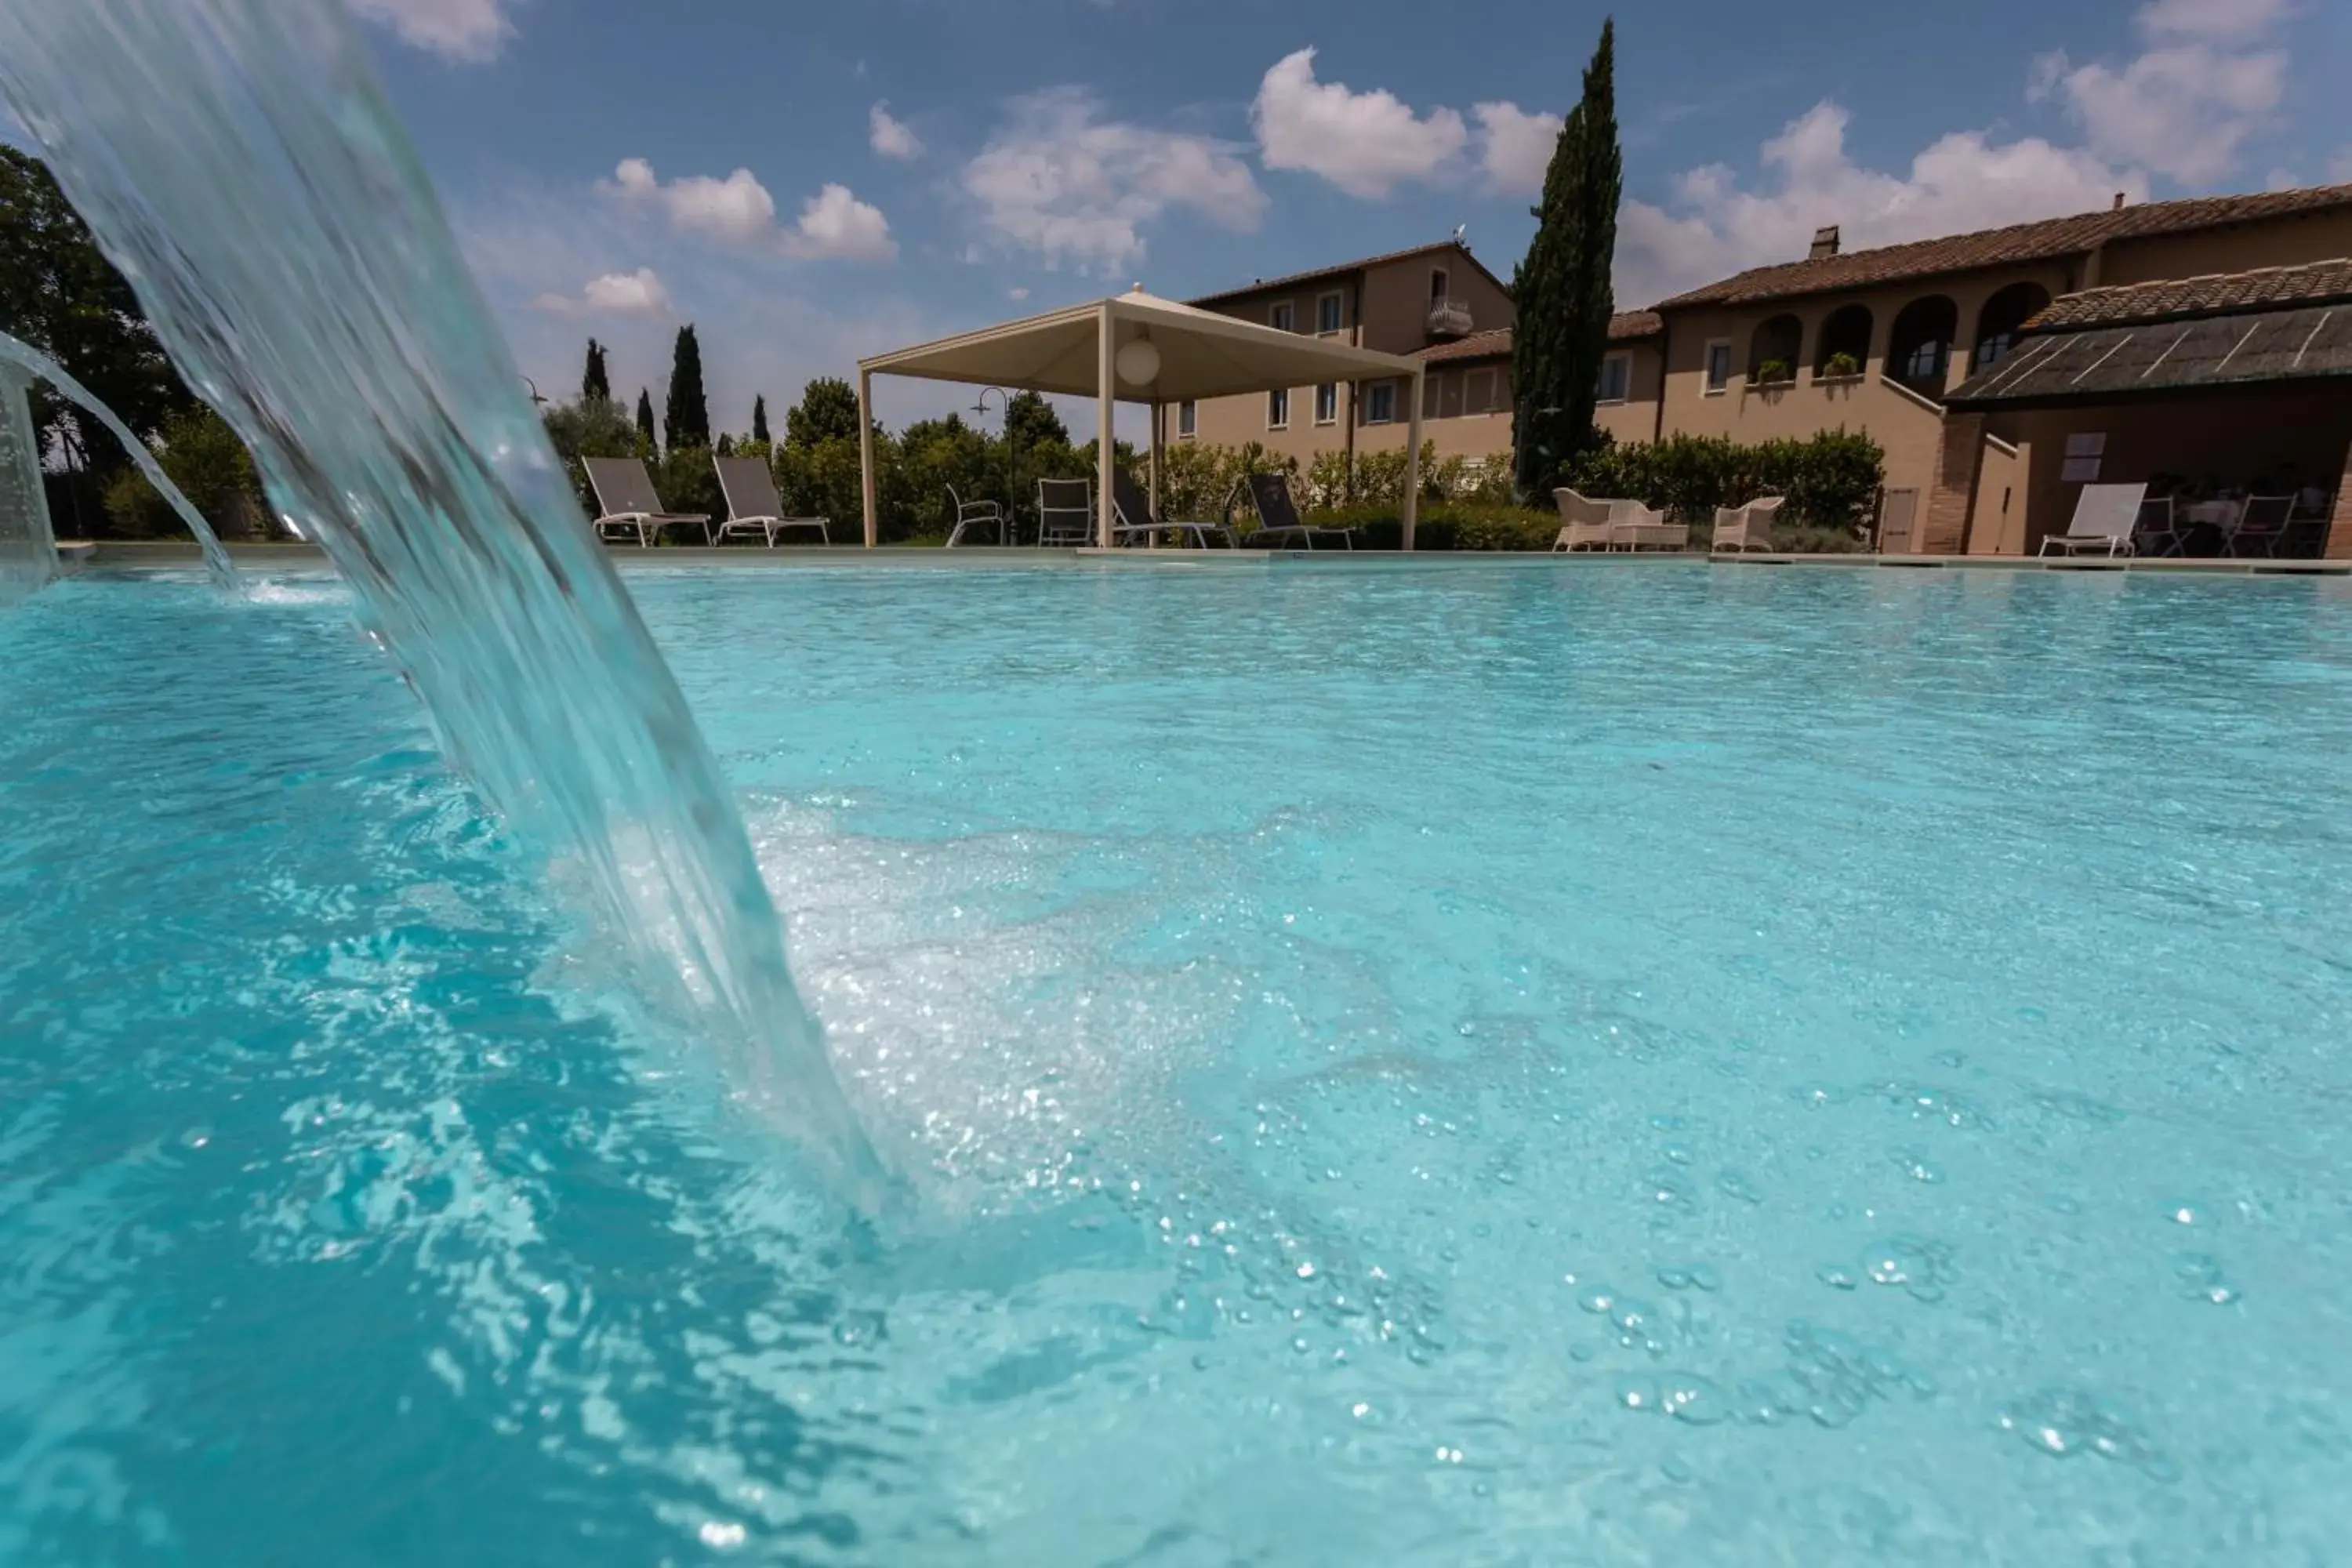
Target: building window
(1379,402)
(1484,392)
(1278,409)
(1616,378)
(1431,393)
(2003,315)
(1327,316)
(1326,403)
(1439,286)
(1282,318)
(1188,419)
(1719,364)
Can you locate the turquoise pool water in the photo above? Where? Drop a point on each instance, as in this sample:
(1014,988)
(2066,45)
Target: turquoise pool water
(1454,1065)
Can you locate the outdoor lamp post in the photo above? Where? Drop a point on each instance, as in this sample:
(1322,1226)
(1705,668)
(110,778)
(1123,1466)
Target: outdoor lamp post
(1012,458)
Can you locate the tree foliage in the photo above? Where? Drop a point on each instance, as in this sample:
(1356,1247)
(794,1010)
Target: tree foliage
(203,457)
(59,293)
(1030,422)
(686,419)
(645,418)
(828,410)
(1563,288)
(595,385)
(759,418)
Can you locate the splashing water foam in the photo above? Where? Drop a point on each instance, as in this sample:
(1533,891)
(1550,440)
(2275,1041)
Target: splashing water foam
(236,160)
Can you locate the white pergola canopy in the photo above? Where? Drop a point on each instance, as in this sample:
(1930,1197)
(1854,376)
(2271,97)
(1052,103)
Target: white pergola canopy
(1194,354)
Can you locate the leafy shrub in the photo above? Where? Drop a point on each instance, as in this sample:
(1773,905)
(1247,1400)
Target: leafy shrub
(1832,480)
(203,456)
(1841,364)
(1772,371)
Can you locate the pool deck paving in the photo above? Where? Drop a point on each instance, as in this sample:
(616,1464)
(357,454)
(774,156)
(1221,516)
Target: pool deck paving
(158,555)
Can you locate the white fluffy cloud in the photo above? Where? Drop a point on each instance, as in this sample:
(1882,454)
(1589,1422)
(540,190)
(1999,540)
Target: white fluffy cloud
(1366,144)
(454,30)
(1516,147)
(890,136)
(1965,180)
(738,209)
(835,223)
(735,209)
(1060,180)
(638,293)
(2186,106)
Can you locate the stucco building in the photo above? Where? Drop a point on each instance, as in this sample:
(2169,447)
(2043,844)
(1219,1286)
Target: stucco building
(1875,340)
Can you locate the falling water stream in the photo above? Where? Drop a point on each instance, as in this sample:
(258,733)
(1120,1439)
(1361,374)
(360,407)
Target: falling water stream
(236,159)
(28,358)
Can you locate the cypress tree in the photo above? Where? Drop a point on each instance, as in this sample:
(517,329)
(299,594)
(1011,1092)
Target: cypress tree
(594,387)
(760,417)
(686,419)
(644,417)
(1562,288)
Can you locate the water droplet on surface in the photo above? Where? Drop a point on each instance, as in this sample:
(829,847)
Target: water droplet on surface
(1733,1185)
(1835,1276)
(1636,1393)
(1694,1400)
(1599,1298)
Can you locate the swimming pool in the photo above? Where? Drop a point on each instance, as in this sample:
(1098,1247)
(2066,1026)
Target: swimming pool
(1485,1065)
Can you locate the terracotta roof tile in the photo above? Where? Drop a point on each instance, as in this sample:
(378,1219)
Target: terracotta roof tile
(1316,274)
(2043,241)
(2265,288)
(1626,327)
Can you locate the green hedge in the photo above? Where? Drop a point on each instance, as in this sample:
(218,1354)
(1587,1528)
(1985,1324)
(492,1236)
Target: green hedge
(1832,480)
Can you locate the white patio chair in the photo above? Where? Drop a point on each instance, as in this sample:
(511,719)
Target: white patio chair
(625,497)
(977,515)
(1740,529)
(1637,527)
(753,506)
(1066,513)
(1586,522)
(2105,517)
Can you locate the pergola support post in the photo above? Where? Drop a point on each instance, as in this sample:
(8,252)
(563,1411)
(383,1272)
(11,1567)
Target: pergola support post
(866,455)
(1159,454)
(1412,458)
(1106,420)
(2338,546)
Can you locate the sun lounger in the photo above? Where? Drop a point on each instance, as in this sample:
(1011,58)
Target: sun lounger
(753,506)
(625,497)
(2105,517)
(1277,514)
(1135,519)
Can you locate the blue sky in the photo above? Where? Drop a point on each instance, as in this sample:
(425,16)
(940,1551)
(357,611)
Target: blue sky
(808,184)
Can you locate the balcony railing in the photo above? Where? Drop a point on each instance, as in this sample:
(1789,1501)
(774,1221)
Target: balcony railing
(1449,319)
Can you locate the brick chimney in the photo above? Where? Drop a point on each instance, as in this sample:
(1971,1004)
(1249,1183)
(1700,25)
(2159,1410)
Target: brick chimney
(1825,244)
(2119,201)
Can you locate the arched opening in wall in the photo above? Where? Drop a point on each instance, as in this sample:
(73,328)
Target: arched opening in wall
(1844,347)
(1772,352)
(1919,355)
(2003,314)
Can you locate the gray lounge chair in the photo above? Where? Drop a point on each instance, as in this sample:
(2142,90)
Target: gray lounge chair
(753,506)
(1065,513)
(1277,514)
(630,507)
(1134,519)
